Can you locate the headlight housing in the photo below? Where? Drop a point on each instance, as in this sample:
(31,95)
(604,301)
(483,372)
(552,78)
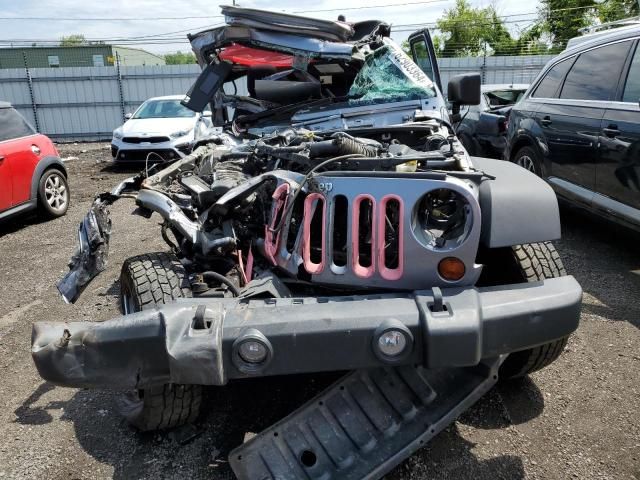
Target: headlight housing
(117,134)
(181,133)
(442,219)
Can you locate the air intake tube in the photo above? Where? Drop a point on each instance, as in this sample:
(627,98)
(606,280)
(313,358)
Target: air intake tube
(342,145)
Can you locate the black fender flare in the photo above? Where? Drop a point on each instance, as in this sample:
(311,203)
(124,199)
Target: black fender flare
(45,163)
(517,206)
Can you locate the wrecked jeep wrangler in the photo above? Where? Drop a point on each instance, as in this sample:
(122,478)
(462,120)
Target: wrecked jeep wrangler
(333,223)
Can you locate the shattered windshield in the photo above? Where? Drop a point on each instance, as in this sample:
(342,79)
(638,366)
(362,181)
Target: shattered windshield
(388,74)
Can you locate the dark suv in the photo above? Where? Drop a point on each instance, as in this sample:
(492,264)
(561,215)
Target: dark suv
(578,126)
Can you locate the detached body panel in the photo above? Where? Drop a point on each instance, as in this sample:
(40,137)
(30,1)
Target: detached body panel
(197,340)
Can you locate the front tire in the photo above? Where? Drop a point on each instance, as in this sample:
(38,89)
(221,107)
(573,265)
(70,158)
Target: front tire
(145,282)
(521,264)
(529,159)
(53,194)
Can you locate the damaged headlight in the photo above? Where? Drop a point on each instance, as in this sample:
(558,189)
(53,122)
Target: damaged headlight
(117,134)
(181,133)
(442,219)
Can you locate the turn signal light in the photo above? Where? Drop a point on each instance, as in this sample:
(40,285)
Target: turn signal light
(451,269)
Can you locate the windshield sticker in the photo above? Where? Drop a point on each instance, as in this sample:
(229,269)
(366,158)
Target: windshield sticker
(407,66)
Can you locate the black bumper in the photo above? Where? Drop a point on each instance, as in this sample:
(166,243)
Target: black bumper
(154,155)
(195,341)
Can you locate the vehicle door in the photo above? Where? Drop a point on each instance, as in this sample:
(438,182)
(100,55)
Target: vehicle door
(20,147)
(6,186)
(424,55)
(618,170)
(570,123)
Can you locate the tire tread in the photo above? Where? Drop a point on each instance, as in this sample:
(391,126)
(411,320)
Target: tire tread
(536,261)
(156,279)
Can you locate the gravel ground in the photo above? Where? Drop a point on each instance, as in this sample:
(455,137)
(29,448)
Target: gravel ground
(576,419)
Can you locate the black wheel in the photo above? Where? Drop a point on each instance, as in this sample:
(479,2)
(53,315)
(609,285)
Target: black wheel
(525,263)
(529,159)
(53,193)
(146,281)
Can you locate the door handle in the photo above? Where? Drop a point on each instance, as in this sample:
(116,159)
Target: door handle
(611,131)
(546,121)
(1,158)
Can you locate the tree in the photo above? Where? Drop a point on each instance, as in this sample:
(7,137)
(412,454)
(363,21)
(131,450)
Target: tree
(611,10)
(179,58)
(469,31)
(530,41)
(563,19)
(73,40)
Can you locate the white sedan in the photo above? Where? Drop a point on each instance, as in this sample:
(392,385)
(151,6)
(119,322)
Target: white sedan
(160,129)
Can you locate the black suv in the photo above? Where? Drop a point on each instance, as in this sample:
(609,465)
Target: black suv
(578,126)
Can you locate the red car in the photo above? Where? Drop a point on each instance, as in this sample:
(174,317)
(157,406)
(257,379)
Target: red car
(31,172)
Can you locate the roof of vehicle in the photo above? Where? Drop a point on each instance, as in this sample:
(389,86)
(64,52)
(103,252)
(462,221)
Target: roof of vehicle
(504,86)
(582,42)
(285,33)
(167,97)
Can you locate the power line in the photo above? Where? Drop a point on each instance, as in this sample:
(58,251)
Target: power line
(387,5)
(165,39)
(363,7)
(110,19)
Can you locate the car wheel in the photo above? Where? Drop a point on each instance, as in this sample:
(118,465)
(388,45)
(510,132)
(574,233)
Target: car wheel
(529,159)
(53,193)
(145,282)
(532,262)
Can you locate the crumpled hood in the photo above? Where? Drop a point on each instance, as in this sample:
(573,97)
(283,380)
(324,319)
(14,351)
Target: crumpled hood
(157,126)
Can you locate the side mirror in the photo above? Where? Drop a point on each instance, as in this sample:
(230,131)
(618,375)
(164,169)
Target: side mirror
(463,90)
(127,116)
(490,124)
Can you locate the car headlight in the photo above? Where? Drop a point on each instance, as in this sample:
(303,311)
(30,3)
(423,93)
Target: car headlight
(442,219)
(181,133)
(117,134)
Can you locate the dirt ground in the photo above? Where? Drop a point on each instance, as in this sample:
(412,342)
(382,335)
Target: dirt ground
(577,419)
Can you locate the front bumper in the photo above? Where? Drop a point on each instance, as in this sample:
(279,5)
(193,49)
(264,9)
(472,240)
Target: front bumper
(161,151)
(194,341)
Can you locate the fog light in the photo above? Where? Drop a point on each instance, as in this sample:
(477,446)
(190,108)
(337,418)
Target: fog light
(451,269)
(392,343)
(252,351)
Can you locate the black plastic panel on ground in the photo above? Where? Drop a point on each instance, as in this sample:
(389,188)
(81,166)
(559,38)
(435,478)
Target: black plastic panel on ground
(364,425)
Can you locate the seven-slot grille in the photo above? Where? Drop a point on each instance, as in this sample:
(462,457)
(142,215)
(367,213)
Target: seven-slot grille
(361,232)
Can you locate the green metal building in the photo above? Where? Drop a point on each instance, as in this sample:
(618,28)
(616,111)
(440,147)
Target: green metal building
(80,56)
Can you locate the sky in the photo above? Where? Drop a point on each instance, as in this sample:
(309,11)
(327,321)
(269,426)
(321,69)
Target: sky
(171,20)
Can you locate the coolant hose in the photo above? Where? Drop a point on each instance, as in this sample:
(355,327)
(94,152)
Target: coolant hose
(215,276)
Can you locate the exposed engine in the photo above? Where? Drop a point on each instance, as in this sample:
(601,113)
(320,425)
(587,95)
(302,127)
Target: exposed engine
(345,212)
(330,210)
